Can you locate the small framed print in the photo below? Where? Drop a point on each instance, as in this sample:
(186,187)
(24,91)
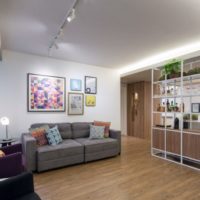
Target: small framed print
(75,103)
(90,85)
(75,85)
(195,107)
(90,100)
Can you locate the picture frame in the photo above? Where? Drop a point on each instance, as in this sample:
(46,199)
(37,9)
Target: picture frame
(90,100)
(75,85)
(90,85)
(46,93)
(195,107)
(75,103)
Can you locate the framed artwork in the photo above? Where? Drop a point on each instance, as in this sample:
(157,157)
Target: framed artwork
(75,103)
(90,100)
(75,84)
(90,85)
(45,93)
(195,107)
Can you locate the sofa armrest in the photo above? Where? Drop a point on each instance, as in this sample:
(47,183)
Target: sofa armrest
(16,187)
(11,165)
(29,148)
(116,135)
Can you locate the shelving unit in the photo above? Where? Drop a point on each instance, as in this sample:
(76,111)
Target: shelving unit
(177,142)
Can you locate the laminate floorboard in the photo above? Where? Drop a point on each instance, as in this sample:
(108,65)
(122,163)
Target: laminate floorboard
(134,175)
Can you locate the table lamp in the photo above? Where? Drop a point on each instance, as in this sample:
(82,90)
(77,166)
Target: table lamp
(5,122)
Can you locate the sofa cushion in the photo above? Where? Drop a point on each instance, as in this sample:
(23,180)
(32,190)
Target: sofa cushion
(64,128)
(66,148)
(80,129)
(107,127)
(40,135)
(53,136)
(97,145)
(96,132)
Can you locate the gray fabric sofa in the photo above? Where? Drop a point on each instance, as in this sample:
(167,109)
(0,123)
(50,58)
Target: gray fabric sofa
(76,147)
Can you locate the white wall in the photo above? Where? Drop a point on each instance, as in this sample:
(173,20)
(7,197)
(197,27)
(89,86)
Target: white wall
(13,91)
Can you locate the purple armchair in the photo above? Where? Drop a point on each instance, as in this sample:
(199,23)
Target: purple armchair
(12,163)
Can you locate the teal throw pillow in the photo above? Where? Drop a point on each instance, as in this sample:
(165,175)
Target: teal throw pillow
(96,132)
(53,136)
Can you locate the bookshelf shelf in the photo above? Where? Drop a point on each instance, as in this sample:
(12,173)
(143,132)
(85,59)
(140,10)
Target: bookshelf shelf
(175,128)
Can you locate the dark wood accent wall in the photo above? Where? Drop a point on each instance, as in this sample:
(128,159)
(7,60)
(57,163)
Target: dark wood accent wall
(139,123)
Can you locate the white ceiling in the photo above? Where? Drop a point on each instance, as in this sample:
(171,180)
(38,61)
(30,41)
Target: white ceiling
(108,33)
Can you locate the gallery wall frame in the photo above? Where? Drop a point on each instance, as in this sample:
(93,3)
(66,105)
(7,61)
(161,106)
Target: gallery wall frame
(46,93)
(75,84)
(75,103)
(90,85)
(90,100)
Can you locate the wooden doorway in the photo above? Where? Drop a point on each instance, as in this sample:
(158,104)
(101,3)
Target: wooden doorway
(139,109)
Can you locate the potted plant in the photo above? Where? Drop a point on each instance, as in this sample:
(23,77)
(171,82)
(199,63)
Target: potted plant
(172,69)
(186,117)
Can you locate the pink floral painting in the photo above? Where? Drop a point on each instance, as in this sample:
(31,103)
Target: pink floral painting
(46,93)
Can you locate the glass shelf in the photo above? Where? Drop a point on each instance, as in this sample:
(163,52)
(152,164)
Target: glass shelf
(176,80)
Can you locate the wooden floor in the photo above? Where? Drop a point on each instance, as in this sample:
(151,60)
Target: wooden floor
(135,175)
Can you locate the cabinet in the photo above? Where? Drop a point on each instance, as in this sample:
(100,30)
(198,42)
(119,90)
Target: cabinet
(176,114)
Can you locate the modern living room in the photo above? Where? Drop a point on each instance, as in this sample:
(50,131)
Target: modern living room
(99,100)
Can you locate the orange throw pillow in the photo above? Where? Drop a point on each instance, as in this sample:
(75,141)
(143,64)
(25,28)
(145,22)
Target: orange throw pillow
(107,127)
(2,154)
(40,135)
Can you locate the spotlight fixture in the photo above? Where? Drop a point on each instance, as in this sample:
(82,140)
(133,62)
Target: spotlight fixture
(68,18)
(71,15)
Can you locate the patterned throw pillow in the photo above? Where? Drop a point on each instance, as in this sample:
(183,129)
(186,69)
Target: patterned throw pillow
(40,135)
(53,136)
(96,132)
(2,154)
(107,127)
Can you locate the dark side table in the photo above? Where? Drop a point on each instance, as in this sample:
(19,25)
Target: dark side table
(8,142)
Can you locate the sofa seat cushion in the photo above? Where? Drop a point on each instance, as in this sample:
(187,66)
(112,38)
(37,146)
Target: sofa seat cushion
(98,145)
(66,148)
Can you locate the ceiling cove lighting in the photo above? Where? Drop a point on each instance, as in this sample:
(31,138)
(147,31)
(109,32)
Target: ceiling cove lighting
(159,58)
(68,18)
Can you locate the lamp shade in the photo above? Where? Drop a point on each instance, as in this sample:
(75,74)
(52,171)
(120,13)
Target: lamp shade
(4,121)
